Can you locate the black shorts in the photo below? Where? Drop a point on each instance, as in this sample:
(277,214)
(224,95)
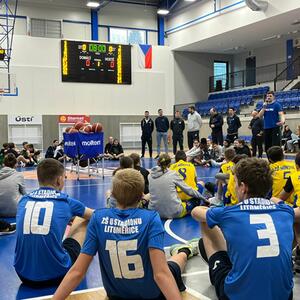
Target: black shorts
(176,272)
(73,248)
(219,267)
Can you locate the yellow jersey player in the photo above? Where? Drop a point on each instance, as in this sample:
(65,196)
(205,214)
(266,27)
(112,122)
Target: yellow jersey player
(282,170)
(230,195)
(292,186)
(223,177)
(188,173)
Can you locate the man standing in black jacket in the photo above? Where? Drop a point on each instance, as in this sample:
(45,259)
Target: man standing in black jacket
(162,126)
(257,127)
(177,127)
(216,124)
(234,123)
(147,127)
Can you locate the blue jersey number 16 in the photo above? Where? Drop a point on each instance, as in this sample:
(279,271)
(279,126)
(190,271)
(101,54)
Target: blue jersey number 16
(120,261)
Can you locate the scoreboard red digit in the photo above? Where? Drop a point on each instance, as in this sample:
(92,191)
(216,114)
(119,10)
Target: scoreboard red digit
(95,62)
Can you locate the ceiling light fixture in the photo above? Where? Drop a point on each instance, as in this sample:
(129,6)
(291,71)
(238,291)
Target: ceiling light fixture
(93,4)
(189,0)
(163,11)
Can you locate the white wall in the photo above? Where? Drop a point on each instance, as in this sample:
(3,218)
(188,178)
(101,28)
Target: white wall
(264,56)
(220,23)
(191,75)
(36,62)
(114,14)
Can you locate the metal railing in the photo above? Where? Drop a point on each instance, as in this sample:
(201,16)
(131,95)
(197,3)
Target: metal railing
(240,79)
(287,75)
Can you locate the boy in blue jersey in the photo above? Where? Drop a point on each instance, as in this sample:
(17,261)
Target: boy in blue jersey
(249,246)
(129,242)
(41,257)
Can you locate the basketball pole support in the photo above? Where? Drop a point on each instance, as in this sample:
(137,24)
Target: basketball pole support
(7,27)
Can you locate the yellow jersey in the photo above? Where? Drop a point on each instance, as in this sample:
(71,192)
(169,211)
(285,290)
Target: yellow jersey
(231,191)
(227,167)
(282,170)
(188,173)
(295,178)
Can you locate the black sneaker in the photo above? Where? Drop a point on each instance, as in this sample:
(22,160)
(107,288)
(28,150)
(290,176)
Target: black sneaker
(297,261)
(10,229)
(157,156)
(142,156)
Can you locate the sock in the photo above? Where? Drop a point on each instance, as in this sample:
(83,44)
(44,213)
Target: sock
(187,251)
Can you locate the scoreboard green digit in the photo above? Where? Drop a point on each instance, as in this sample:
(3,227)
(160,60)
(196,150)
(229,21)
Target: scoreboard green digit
(95,62)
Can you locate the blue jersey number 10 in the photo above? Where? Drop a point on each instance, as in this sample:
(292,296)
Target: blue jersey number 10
(31,220)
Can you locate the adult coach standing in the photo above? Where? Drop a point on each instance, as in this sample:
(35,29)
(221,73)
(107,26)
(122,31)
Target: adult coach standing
(216,124)
(234,123)
(194,125)
(147,127)
(162,126)
(273,120)
(257,127)
(177,126)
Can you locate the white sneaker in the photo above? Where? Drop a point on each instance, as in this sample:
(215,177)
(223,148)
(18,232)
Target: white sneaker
(215,202)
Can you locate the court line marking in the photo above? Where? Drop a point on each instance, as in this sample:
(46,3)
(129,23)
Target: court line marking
(197,294)
(73,293)
(171,233)
(195,273)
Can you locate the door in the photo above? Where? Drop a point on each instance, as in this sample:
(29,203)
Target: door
(251,71)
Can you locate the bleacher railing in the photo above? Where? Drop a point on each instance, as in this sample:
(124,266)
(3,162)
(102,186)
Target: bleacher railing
(287,75)
(240,79)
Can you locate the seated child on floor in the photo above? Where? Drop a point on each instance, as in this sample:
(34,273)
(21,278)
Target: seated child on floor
(130,245)
(42,257)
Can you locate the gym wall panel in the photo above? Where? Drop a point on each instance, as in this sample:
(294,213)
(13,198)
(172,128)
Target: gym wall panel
(4,130)
(127,15)
(36,63)
(191,75)
(264,56)
(103,34)
(50,130)
(76,31)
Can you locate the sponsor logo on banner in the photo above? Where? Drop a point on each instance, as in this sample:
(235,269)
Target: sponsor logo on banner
(74,118)
(91,143)
(22,120)
(70,144)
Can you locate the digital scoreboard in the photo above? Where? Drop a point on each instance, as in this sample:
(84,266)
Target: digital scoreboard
(95,62)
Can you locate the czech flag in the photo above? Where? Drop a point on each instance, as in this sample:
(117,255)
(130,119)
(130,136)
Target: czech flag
(145,56)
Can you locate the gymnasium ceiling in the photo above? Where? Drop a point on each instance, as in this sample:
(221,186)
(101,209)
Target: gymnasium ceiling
(82,3)
(274,30)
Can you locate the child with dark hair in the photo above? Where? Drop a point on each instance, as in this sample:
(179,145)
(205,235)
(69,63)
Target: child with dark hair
(248,247)
(126,162)
(163,184)
(12,187)
(137,166)
(242,148)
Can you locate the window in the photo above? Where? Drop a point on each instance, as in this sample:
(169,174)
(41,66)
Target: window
(127,36)
(46,28)
(220,74)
